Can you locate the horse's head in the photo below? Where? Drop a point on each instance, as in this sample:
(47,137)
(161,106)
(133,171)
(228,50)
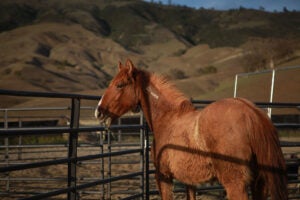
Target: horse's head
(120,96)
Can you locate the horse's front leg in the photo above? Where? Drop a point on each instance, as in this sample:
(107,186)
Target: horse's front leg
(191,192)
(165,186)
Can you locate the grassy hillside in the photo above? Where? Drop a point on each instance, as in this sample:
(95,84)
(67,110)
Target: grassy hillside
(75,45)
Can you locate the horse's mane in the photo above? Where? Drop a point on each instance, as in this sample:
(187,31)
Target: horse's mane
(169,93)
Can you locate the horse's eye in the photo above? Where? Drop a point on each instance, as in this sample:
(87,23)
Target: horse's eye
(121,85)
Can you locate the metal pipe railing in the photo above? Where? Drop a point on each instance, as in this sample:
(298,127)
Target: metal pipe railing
(106,151)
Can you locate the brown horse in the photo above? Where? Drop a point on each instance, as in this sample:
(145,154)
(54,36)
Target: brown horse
(230,140)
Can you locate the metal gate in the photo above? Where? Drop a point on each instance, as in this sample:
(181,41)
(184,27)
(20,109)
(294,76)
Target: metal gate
(113,164)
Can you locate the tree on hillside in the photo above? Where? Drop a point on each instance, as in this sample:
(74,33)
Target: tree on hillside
(266,53)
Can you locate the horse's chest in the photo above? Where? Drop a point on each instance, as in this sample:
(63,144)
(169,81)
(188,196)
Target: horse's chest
(191,166)
(181,153)
(186,164)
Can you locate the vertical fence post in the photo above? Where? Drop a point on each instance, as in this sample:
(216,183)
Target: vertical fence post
(72,152)
(271,92)
(108,196)
(119,131)
(235,85)
(142,157)
(147,187)
(101,142)
(6,143)
(20,142)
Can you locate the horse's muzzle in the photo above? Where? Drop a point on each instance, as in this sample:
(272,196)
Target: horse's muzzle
(102,117)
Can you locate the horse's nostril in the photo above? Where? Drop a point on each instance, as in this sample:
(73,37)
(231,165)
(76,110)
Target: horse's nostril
(99,113)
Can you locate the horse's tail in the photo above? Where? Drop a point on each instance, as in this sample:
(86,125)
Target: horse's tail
(269,158)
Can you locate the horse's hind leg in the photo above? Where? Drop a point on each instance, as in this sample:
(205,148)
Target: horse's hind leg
(165,187)
(191,193)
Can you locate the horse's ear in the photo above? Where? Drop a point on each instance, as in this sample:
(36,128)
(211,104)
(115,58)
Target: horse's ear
(120,66)
(130,66)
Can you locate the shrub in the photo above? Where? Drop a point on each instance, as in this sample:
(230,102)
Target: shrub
(61,65)
(177,74)
(7,71)
(207,70)
(180,52)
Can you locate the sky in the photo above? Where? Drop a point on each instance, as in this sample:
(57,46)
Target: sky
(268,5)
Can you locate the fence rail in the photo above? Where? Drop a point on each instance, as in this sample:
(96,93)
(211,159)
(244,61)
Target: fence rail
(109,151)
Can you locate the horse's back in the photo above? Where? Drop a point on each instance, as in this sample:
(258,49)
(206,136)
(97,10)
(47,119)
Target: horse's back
(226,117)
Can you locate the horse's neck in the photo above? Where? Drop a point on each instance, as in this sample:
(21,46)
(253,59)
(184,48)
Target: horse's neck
(150,103)
(157,102)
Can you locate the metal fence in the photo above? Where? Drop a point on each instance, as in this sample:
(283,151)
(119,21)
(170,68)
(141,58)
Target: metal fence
(272,73)
(86,161)
(68,185)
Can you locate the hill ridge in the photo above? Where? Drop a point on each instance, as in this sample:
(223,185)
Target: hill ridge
(72,46)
